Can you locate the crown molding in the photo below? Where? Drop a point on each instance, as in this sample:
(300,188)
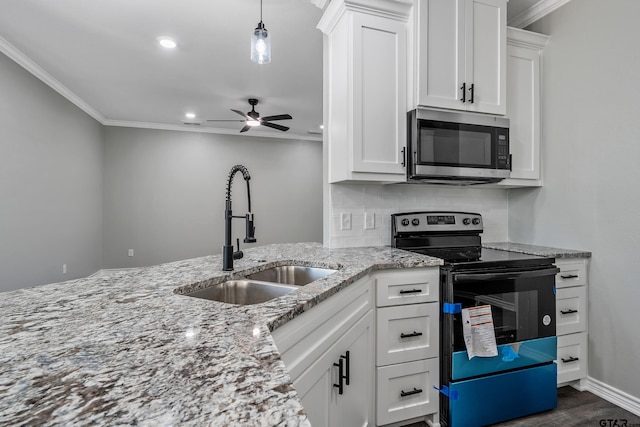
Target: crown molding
(524,38)
(25,62)
(535,12)
(198,129)
(394,9)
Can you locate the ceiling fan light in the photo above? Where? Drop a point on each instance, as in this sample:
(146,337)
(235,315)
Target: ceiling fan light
(253,123)
(260,45)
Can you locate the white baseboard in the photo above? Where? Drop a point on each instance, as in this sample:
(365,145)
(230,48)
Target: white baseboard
(613,395)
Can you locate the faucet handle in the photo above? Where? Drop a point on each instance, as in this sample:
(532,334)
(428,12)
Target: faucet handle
(238,254)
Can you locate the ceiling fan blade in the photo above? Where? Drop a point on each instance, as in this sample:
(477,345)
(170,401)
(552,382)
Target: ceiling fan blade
(241,113)
(226,120)
(245,128)
(274,126)
(278,117)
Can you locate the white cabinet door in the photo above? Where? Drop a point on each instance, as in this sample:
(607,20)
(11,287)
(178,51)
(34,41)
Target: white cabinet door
(379,90)
(461,47)
(366,93)
(318,385)
(441,53)
(524,50)
(486,47)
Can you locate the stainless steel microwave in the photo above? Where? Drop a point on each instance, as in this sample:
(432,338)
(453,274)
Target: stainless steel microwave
(458,148)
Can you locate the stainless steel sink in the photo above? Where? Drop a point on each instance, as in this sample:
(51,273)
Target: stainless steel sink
(243,292)
(291,274)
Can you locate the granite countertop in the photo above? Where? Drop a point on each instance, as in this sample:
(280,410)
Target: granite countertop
(537,250)
(126,349)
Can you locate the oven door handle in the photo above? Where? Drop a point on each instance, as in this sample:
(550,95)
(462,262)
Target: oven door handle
(483,277)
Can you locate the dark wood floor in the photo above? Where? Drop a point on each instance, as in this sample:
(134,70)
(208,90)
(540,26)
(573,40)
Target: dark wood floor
(575,408)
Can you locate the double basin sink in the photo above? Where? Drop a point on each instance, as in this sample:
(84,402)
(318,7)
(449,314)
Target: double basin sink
(263,285)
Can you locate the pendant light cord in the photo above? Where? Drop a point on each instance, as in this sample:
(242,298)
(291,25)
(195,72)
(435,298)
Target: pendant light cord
(260,10)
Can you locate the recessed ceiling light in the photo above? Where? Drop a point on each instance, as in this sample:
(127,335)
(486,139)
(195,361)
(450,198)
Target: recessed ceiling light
(167,43)
(190,115)
(321,126)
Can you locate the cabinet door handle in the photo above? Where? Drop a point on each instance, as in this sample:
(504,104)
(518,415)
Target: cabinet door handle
(569,276)
(346,363)
(340,385)
(570,359)
(404,158)
(409,393)
(464,92)
(471,90)
(413,334)
(411,291)
(569,311)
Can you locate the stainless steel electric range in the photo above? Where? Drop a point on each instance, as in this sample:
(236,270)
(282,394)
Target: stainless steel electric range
(518,293)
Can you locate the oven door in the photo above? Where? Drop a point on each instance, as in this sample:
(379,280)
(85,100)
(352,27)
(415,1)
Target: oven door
(523,303)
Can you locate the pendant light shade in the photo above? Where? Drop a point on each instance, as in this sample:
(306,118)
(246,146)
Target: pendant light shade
(260,43)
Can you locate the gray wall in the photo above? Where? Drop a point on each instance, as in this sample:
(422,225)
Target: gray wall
(51,158)
(590,198)
(165,192)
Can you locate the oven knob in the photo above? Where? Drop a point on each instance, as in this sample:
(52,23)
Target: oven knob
(405,222)
(476,221)
(415,221)
(466,221)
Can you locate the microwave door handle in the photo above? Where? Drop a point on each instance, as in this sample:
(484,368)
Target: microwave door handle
(479,277)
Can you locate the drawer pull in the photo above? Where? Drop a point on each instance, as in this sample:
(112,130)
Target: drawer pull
(570,359)
(340,384)
(409,393)
(411,291)
(569,311)
(413,334)
(343,365)
(569,276)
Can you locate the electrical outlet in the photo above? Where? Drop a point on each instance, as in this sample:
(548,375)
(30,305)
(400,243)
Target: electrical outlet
(345,221)
(64,268)
(130,252)
(369,220)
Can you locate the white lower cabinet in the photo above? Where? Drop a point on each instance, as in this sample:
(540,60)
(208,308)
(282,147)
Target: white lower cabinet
(407,346)
(331,400)
(355,364)
(406,390)
(571,320)
(333,337)
(572,357)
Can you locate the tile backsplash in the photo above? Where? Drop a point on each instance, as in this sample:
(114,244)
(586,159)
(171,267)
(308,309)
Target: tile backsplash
(383,200)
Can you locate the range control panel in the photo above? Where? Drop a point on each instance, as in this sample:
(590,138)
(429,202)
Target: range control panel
(420,222)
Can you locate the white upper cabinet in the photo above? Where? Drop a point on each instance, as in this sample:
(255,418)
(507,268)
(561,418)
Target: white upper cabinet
(524,54)
(461,55)
(366,89)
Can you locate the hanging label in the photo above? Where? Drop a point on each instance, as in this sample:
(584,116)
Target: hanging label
(479,333)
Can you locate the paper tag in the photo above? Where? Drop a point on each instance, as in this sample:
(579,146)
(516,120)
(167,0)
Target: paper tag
(478,331)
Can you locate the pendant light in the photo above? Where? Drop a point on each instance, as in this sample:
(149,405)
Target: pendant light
(260,43)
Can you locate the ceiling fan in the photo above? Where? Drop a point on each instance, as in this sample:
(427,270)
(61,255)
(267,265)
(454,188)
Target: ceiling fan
(252,118)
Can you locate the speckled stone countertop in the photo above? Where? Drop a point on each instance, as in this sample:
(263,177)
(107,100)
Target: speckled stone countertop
(537,250)
(127,350)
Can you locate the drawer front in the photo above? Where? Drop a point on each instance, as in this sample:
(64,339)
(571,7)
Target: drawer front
(572,357)
(407,391)
(572,273)
(407,333)
(407,286)
(571,310)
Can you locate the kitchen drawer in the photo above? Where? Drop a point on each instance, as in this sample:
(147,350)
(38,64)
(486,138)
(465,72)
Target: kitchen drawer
(571,310)
(407,286)
(407,391)
(406,333)
(572,357)
(572,273)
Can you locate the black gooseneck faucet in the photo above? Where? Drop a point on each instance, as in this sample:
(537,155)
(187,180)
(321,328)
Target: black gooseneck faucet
(228,255)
